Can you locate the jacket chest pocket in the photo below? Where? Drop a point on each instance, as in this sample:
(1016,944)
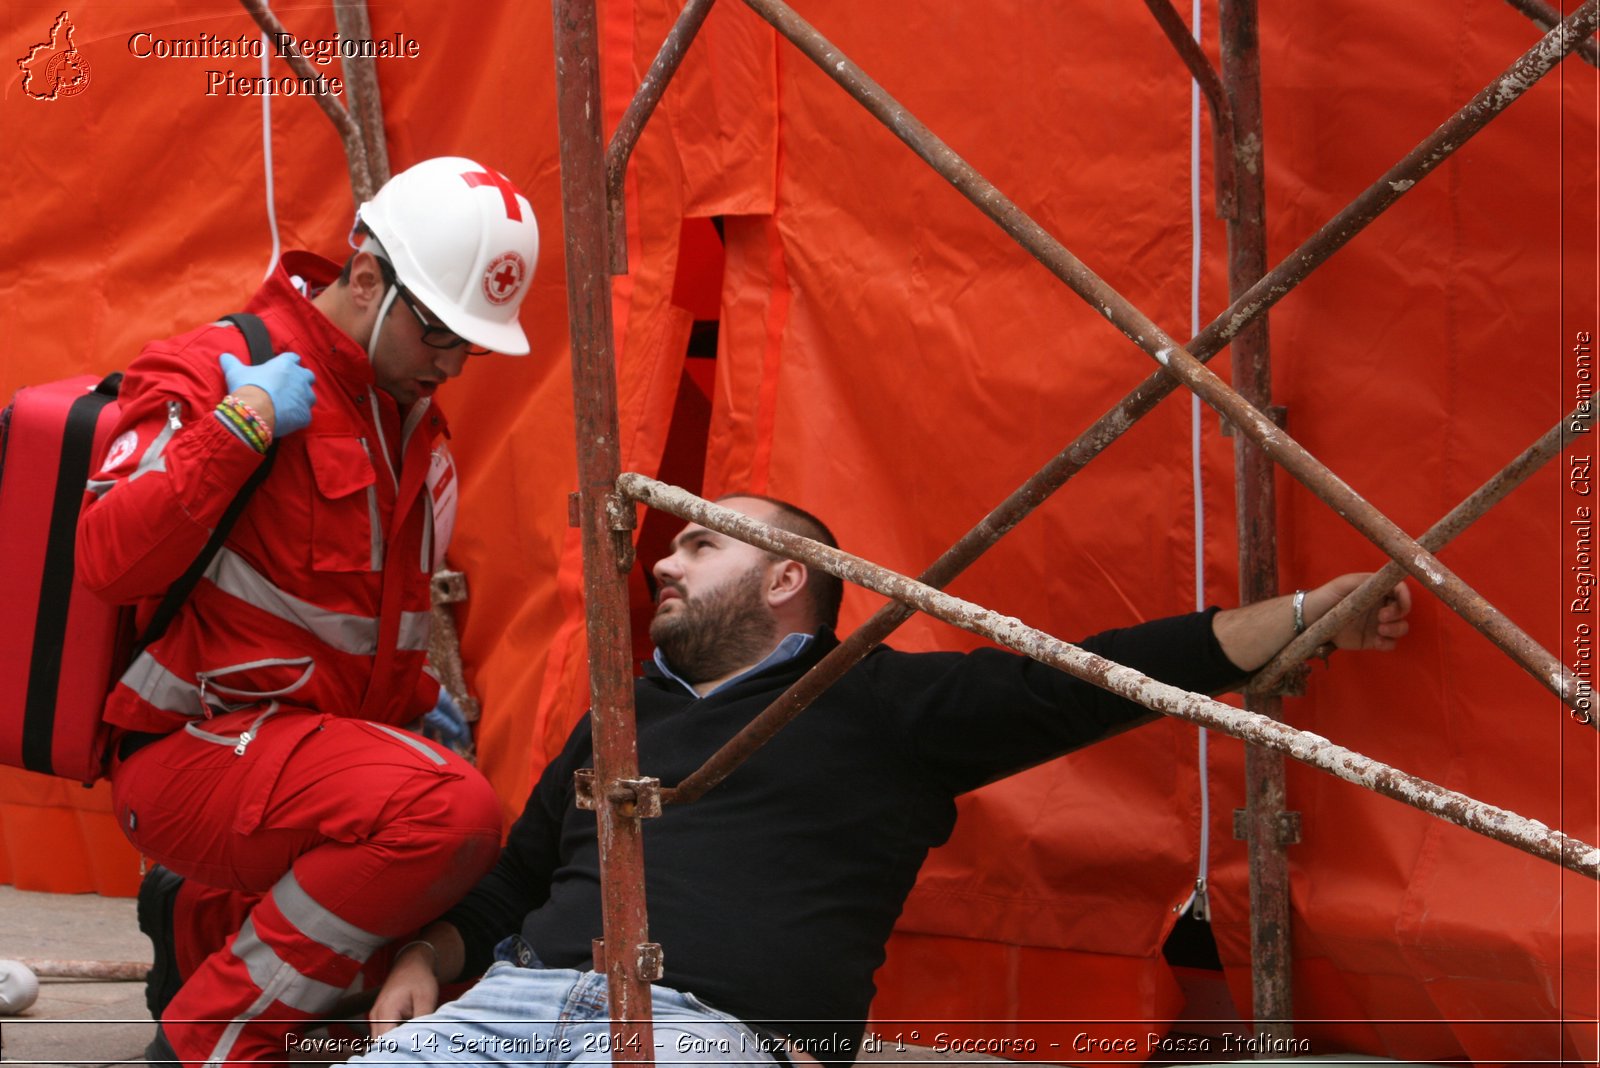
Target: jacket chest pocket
(346,527)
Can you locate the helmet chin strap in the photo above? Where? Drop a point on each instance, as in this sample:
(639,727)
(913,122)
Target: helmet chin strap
(374,248)
(390,293)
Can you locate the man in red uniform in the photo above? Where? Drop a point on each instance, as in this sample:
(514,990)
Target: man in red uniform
(259,754)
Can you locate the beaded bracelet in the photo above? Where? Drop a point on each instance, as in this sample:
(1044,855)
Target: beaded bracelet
(239,415)
(254,416)
(243,420)
(240,426)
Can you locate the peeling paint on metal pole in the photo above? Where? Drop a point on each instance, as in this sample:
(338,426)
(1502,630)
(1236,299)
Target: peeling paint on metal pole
(1546,17)
(1271,953)
(625,949)
(366,104)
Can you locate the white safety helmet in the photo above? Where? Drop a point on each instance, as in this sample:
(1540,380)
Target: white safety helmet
(463,240)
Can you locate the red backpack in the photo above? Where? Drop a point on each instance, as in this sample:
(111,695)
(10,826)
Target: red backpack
(61,647)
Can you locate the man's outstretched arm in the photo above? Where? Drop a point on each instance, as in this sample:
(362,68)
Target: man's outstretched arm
(1252,635)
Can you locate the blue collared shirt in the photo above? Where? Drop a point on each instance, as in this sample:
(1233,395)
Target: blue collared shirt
(792,646)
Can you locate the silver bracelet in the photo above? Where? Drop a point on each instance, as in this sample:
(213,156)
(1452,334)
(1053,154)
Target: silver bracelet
(418,942)
(1299,611)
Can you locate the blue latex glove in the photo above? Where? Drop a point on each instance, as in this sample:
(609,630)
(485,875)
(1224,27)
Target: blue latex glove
(446,723)
(281,378)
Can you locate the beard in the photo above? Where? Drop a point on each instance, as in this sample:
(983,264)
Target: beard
(714,634)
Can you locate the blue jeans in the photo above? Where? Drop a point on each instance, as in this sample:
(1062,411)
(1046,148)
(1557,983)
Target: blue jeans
(557,1016)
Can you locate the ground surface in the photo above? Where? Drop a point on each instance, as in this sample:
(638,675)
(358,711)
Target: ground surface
(74,1022)
(96,1022)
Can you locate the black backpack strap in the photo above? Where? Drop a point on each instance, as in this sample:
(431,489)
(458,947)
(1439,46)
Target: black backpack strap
(260,345)
(55,593)
(255,335)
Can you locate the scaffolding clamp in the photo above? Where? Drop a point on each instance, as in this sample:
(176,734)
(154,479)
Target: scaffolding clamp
(649,962)
(634,798)
(1288,826)
(621,517)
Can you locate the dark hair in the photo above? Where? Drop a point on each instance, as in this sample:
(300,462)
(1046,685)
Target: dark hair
(826,590)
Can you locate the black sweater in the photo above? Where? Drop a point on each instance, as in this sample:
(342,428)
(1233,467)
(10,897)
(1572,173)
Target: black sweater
(773,896)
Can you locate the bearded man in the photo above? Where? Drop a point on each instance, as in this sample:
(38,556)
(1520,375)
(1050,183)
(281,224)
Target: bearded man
(773,896)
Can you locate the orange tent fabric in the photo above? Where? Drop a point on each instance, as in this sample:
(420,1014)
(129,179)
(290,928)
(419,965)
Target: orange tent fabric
(890,360)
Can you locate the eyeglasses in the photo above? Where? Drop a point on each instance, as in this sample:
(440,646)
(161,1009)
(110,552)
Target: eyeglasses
(434,334)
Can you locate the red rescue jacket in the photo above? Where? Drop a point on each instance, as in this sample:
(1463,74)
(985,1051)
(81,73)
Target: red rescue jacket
(319,598)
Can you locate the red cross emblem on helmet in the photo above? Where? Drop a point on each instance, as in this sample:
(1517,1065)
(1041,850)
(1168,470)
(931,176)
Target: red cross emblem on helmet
(495,180)
(503,278)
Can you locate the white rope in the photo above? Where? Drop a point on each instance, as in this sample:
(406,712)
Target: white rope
(266,156)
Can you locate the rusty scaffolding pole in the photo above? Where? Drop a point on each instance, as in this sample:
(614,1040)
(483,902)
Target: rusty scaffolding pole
(1264,824)
(592,184)
(621,800)
(359,127)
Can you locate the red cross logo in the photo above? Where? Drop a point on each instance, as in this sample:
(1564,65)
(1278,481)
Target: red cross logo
(508,192)
(504,277)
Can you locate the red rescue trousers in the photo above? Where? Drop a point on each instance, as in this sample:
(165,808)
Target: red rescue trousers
(338,835)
